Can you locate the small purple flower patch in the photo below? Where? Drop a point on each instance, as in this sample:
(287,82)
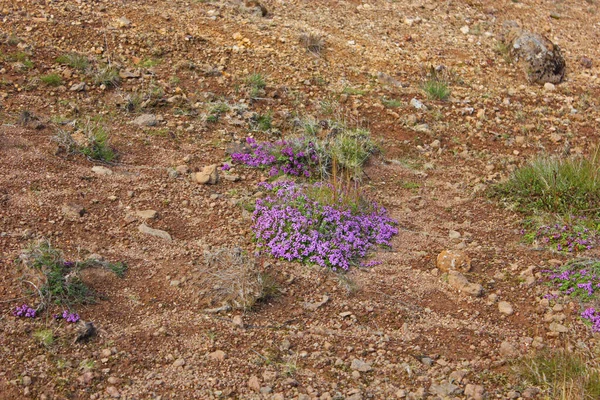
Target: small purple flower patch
(291,157)
(292,225)
(24,311)
(68,316)
(579,279)
(564,238)
(591,316)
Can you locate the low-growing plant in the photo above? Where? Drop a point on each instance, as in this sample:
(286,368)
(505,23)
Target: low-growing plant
(150,62)
(561,373)
(296,156)
(97,145)
(567,186)
(562,237)
(290,224)
(349,150)
(231,276)
(256,84)
(579,279)
(74,60)
(22,59)
(312,42)
(58,281)
(436,89)
(44,336)
(262,122)
(107,76)
(52,79)
(349,90)
(391,103)
(215,110)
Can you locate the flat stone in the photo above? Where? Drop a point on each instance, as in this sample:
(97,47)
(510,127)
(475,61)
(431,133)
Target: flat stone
(507,350)
(459,282)
(218,355)
(145,120)
(444,389)
(146,214)
(474,392)
(100,170)
(180,362)
(360,365)
(558,328)
(113,392)
(154,232)
(254,383)
(505,308)
(73,210)
(78,87)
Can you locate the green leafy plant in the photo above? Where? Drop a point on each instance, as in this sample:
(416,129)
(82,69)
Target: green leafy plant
(353,91)
(51,79)
(263,122)
(349,150)
(150,62)
(58,281)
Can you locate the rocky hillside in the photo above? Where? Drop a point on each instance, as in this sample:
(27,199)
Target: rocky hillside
(118,124)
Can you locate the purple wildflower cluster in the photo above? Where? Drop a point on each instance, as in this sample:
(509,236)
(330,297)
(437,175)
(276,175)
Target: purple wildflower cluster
(297,157)
(579,279)
(67,316)
(24,311)
(576,281)
(566,238)
(591,316)
(293,226)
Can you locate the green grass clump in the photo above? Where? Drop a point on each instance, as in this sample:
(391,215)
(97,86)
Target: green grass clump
(350,150)
(562,374)
(45,337)
(51,79)
(391,103)
(60,282)
(569,186)
(353,91)
(97,146)
(107,76)
(74,60)
(436,89)
(257,84)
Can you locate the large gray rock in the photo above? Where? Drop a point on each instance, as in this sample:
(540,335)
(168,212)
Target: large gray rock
(541,59)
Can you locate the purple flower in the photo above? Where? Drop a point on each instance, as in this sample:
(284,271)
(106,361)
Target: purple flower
(225,167)
(291,225)
(24,311)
